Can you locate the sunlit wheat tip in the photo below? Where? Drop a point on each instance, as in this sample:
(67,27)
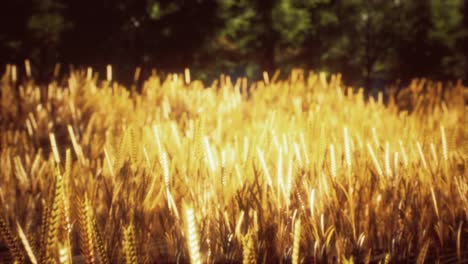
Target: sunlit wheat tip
(53,144)
(403,153)
(347,147)
(266,78)
(434,154)
(434,200)
(375,137)
(444,143)
(187,75)
(208,154)
(388,169)
(297,153)
(89,73)
(13,73)
(136,75)
(109,72)
(374,159)
(27,66)
(396,164)
(264,167)
(421,154)
(165,167)
(192,236)
(27,246)
(332,161)
(312,202)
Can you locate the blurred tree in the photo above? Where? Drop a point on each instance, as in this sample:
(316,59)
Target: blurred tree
(464,40)
(13,34)
(46,26)
(106,31)
(261,35)
(239,46)
(371,42)
(293,20)
(178,31)
(355,37)
(447,34)
(430,40)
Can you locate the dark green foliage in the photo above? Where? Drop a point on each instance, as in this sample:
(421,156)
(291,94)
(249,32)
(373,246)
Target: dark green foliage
(372,42)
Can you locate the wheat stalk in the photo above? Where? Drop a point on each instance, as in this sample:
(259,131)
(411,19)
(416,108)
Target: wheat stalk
(332,161)
(347,148)
(53,144)
(388,168)
(444,143)
(423,252)
(27,246)
(374,159)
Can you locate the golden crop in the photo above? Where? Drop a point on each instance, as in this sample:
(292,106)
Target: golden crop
(300,170)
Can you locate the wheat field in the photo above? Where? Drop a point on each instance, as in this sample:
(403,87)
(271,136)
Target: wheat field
(299,170)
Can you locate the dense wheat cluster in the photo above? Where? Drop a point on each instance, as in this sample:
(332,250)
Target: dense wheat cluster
(300,170)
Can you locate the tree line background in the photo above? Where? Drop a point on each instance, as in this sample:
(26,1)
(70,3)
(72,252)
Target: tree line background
(371,42)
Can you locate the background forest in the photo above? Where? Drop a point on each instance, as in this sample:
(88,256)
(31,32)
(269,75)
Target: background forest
(373,43)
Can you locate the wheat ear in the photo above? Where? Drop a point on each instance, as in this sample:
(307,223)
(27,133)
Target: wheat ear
(52,221)
(11,242)
(86,230)
(99,245)
(129,245)
(248,251)
(192,236)
(297,240)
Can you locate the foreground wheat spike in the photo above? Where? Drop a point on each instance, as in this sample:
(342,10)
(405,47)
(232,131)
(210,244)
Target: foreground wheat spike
(65,209)
(100,247)
(297,240)
(129,245)
(53,221)
(43,234)
(248,251)
(11,242)
(85,218)
(192,236)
